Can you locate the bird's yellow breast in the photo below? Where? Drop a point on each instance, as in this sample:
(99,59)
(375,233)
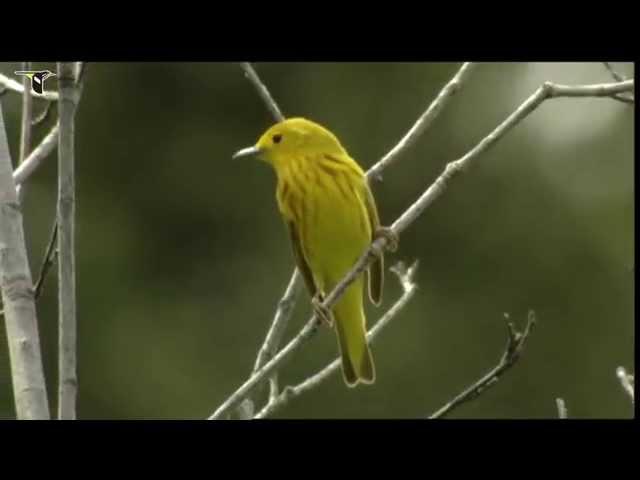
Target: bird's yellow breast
(324,197)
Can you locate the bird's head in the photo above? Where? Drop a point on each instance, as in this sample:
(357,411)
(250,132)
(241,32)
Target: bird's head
(294,137)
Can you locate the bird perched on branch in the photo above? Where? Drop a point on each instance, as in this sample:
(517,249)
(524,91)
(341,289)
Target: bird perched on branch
(331,214)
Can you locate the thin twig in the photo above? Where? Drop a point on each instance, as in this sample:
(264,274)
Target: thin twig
(627,381)
(624,98)
(27,114)
(47,261)
(423,123)
(628,98)
(16,87)
(280,320)
(616,76)
(562,408)
(515,344)
(69,95)
(25,126)
(27,374)
(546,91)
(35,158)
(406,277)
(262,91)
(267,369)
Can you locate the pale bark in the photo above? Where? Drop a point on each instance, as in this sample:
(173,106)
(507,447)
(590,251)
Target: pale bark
(29,389)
(68,382)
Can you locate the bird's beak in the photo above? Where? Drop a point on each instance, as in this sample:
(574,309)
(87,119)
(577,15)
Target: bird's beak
(246,152)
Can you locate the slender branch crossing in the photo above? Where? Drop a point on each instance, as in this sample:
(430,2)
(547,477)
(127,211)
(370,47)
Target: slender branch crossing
(35,158)
(405,275)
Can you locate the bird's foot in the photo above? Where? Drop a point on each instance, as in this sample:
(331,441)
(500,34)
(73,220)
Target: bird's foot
(321,311)
(392,237)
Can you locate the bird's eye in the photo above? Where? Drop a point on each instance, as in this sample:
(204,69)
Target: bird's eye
(277,138)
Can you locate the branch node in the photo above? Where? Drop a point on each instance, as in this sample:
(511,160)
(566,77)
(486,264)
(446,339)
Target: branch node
(548,88)
(287,393)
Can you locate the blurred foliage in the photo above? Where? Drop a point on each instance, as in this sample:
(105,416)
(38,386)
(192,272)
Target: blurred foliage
(182,256)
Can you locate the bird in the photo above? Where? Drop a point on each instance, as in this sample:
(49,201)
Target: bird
(331,215)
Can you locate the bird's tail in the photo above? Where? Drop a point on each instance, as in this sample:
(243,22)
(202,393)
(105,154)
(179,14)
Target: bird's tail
(357,362)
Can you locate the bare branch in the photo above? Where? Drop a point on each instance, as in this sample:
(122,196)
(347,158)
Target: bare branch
(515,344)
(25,127)
(35,158)
(27,114)
(546,91)
(553,90)
(283,313)
(627,381)
(423,123)
(29,388)
(69,95)
(405,275)
(562,408)
(267,369)
(16,87)
(47,263)
(262,91)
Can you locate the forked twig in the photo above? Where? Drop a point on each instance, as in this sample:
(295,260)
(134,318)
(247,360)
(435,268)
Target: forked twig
(513,349)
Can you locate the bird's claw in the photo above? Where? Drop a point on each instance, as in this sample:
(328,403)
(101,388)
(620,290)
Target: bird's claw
(321,311)
(392,237)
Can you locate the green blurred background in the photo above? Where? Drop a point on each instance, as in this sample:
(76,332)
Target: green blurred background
(182,256)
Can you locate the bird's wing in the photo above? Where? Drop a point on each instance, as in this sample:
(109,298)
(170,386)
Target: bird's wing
(300,258)
(376,269)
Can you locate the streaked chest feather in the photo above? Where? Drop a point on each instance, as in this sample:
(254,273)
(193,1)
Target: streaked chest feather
(324,197)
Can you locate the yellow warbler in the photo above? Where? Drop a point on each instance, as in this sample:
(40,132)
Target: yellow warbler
(326,203)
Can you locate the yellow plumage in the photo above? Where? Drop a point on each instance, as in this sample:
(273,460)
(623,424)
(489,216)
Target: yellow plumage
(324,198)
